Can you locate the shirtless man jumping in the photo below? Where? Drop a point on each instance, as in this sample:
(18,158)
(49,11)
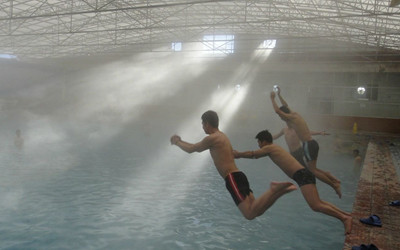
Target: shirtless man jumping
(304,178)
(235,180)
(310,146)
(294,143)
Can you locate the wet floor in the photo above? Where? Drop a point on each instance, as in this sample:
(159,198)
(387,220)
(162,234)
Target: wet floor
(377,187)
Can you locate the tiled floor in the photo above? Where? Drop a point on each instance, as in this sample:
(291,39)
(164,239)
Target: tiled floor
(377,187)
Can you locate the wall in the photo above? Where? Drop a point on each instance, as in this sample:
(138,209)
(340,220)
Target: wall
(324,88)
(364,124)
(335,93)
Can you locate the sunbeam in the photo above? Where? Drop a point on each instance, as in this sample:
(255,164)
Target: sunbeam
(225,101)
(118,91)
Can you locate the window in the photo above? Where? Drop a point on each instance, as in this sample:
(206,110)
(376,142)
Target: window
(176,46)
(8,56)
(219,44)
(269,44)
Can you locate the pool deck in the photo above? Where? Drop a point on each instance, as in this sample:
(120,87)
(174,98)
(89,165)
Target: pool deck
(377,187)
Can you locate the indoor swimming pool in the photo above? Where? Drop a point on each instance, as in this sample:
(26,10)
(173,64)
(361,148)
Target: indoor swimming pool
(135,191)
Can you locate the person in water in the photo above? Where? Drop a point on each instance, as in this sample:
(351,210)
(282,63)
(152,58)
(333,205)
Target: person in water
(236,181)
(18,140)
(303,177)
(310,146)
(357,159)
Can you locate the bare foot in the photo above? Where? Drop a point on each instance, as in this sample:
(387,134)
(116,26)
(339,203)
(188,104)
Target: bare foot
(347,224)
(333,178)
(347,213)
(336,186)
(282,187)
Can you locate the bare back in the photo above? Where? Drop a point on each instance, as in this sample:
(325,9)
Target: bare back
(300,126)
(282,159)
(222,153)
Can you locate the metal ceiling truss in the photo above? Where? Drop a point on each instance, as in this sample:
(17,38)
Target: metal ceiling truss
(52,28)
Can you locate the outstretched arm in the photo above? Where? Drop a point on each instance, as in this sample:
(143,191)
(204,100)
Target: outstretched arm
(190,147)
(250,154)
(276,136)
(282,114)
(246,154)
(284,103)
(274,104)
(319,133)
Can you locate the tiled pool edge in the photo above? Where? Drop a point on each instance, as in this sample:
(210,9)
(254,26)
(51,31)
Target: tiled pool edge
(378,185)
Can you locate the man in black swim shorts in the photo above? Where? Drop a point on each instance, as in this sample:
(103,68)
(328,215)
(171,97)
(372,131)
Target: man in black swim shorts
(238,185)
(311,149)
(295,120)
(304,178)
(221,152)
(294,144)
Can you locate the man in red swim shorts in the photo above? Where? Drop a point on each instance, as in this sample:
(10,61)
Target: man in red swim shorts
(236,182)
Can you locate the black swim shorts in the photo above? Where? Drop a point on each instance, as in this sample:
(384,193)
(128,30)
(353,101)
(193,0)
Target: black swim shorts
(299,156)
(238,185)
(311,149)
(303,177)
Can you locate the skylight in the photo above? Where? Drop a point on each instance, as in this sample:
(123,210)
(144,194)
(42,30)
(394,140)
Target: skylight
(8,56)
(176,46)
(269,44)
(219,44)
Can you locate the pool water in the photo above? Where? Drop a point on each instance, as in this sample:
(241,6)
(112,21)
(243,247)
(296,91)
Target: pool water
(137,192)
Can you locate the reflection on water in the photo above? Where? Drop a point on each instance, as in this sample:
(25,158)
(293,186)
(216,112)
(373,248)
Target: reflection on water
(61,194)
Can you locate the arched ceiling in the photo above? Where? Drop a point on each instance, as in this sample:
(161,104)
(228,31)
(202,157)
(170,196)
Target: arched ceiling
(52,28)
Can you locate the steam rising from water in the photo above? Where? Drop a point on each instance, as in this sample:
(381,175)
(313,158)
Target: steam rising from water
(225,101)
(86,109)
(90,108)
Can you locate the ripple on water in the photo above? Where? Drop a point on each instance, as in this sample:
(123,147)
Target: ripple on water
(89,201)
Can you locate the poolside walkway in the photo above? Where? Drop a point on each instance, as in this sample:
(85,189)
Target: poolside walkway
(377,187)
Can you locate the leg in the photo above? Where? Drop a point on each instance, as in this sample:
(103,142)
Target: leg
(325,177)
(311,195)
(251,207)
(336,208)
